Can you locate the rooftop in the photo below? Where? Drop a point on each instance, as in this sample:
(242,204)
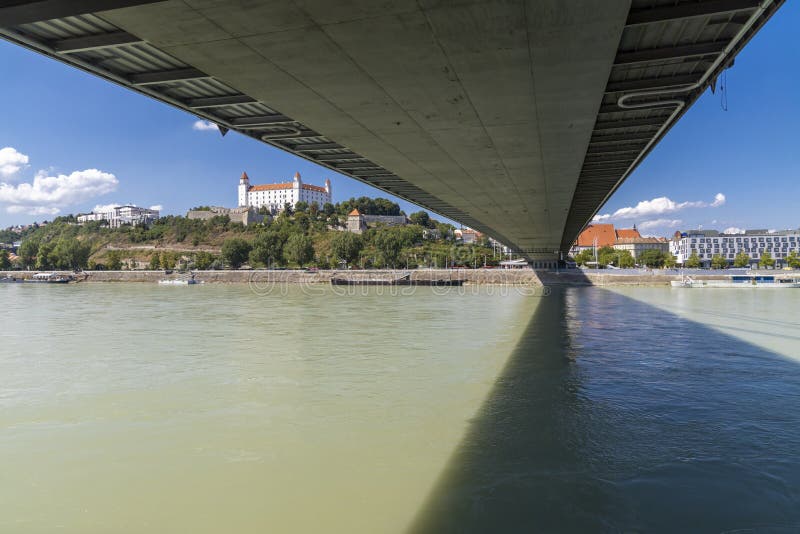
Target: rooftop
(605,234)
(639,240)
(271,187)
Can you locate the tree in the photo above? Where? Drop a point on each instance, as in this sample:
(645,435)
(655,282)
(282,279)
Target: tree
(670,261)
(155,261)
(766,260)
(168,260)
(606,255)
(445,230)
(69,253)
(584,256)
(44,259)
(235,251)
(267,249)
(693,261)
(114,261)
(421,218)
(718,262)
(5,263)
(369,206)
(302,221)
(625,259)
(299,249)
(793,260)
(203,260)
(28,251)
(651,258)
(328,209)
(301,207)
(346,246)
(742,259)
(389,246)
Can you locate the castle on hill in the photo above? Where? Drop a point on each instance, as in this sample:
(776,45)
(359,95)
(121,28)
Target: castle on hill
(276,196)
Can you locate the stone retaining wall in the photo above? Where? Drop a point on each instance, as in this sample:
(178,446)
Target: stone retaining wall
(470,276)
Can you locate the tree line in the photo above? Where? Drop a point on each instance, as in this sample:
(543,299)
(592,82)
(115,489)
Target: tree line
(304,236)
(654,258)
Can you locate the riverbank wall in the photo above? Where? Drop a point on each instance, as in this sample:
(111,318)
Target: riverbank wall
(571,278)
(583,278)
(469,276)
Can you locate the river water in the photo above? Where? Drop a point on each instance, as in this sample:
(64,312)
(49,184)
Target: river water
(135,408)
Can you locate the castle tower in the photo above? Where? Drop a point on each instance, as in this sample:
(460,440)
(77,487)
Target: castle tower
(244,187)
(297,186)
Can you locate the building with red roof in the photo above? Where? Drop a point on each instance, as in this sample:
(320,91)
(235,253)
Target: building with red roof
(602,235)
(276,196)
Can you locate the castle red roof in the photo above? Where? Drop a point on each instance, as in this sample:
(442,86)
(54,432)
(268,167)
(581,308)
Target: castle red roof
(270,187)
(310,187)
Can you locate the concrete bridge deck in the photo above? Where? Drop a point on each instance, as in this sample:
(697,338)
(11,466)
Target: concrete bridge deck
(515,117)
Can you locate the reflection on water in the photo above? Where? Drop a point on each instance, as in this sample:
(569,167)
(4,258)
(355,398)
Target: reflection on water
(132,408)
(138,408)
(767,318)
(635,421)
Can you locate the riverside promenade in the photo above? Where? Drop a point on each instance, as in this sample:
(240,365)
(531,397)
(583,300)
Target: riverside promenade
(569,277)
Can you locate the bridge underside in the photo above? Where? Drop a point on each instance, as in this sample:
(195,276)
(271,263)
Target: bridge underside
(502,115)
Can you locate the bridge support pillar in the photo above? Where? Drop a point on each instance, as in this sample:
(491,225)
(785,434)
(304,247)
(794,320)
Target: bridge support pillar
(542,261)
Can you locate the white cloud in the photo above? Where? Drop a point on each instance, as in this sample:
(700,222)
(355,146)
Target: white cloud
(33,210)
(11,162)
(659,206)
(733,230)
(46,194)
(157,207)
(659,223)
(203,126)
(103,208)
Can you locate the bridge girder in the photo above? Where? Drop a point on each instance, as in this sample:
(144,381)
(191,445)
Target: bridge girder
(514,118)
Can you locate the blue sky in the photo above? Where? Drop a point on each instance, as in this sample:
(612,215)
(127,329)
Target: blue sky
(58,121)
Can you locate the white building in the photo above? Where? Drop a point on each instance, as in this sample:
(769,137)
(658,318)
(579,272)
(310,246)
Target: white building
(275,196)
(637,245)
(708,243)
(468,236)
(121,215)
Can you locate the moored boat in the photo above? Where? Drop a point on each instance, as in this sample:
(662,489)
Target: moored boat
(739,282)
(177,282)
(49,278)
(183,281)
(10,280)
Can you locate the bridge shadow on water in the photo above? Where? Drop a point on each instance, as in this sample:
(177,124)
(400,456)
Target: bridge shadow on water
(614,416)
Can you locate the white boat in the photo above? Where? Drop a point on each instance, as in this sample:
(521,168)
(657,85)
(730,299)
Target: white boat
(49,278)
(739,282)
(184,281)
(178,282)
